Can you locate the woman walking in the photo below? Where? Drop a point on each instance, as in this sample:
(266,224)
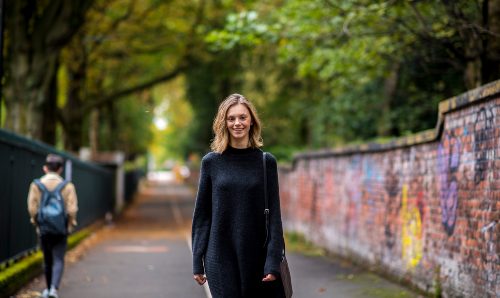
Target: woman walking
(229,224)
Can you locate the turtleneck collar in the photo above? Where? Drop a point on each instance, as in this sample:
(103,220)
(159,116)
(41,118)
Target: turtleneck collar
(232,150)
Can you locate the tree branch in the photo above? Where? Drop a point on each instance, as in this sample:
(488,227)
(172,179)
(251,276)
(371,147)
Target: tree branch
(113,26)
(425,37)
(334,5)
(181,67)
(140,87)
(419,16)
(59,22)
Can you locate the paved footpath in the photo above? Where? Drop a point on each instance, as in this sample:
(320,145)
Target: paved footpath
(146,254)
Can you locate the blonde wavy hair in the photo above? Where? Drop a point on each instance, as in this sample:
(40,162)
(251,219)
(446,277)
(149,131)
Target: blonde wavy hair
(221,139)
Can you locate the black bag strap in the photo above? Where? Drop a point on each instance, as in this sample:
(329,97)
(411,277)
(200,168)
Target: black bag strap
(266,202)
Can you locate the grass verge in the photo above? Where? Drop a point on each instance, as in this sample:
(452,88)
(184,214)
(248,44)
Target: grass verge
(296,242)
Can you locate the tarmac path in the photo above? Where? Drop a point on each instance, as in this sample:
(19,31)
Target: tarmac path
(146,253)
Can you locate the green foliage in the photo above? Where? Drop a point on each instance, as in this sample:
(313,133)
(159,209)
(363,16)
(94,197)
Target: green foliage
(175,112)
(3,113)
(133,134)
(124,49)
(131,41)
(321,73)
(62,84)
(329,72)
(206,86)
(241,30)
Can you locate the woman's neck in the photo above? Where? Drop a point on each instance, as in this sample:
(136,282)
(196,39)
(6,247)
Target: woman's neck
(239,144)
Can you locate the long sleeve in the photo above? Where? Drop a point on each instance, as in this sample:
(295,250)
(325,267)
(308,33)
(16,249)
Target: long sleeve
(33,202)
(276,244)
(202,217)
(71,204)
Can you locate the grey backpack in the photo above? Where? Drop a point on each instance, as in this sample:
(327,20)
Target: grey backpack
(52,217)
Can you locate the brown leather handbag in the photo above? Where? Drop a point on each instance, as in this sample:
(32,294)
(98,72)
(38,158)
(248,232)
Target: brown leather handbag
(286,278)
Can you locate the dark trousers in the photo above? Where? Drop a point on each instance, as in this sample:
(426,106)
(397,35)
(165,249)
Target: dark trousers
(53,248)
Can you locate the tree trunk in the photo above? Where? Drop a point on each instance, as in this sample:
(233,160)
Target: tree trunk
(73,134)
(28,93)
(13,115)
(106,128)
(491,41)
(473,66)
(73,125)
(49,110)
(94,131)
(384,126)
(471,37)
(36,34)
(76,70)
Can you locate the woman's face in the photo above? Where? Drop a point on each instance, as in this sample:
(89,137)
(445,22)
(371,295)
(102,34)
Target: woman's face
(238,121)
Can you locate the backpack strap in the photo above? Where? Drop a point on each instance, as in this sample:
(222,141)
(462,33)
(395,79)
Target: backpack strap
(43,188)
(60,186)
(40,185)
(45,191)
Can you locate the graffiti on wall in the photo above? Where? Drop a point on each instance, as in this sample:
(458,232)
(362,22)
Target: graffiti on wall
(392,206)
(411,230)
(479,245)
(314,203)
(419,207)
(352,197)
(448,162)
(371,179)
(490,256)
(483,143)
(329,205)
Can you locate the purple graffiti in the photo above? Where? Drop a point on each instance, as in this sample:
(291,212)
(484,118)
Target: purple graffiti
(448,160)
(483,131)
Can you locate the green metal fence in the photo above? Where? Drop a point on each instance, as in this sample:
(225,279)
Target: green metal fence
(21,160)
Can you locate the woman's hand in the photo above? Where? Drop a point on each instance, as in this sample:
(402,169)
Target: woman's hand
(200,278)
(269,277)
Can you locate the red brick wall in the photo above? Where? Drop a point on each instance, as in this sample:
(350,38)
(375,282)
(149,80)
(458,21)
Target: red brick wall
(425,209)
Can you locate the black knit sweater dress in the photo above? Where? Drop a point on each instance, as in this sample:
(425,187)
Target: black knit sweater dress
(228,229)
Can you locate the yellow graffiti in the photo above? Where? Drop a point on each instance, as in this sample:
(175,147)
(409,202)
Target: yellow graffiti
(411,231)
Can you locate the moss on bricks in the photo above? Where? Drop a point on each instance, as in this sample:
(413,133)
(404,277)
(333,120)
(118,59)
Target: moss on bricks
(20,273)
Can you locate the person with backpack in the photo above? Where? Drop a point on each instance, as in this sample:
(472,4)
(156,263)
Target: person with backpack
(53,205)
